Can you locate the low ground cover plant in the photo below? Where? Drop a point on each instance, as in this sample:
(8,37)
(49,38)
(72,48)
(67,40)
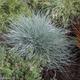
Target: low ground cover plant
(12,66)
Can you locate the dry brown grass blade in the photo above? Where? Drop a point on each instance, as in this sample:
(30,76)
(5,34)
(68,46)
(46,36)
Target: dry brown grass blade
(76,30)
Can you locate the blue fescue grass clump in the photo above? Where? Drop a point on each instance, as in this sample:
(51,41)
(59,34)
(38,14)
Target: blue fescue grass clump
(37,36)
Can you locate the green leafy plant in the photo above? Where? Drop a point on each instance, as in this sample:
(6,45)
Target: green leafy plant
(4,70)
(39,5)
(36,35)
(11,9)
(14,66)
(60,11)
(64,10)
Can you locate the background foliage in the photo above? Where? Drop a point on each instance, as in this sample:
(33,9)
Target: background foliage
(61,11)
(11,9)
(65,10)
(14,66)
